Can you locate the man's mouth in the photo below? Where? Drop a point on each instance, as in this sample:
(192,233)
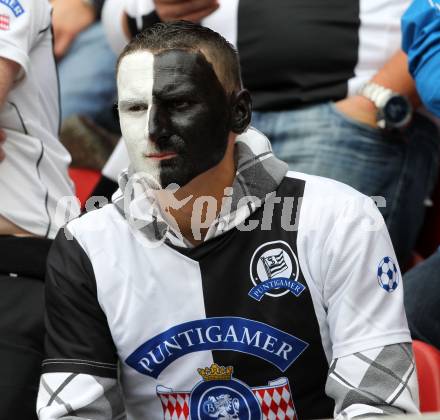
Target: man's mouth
(161,155)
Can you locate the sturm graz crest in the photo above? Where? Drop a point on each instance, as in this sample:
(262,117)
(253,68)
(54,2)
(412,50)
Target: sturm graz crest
(274,271)
(220,396)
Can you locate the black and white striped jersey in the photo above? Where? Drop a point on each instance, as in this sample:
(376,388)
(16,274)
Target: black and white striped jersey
(33,175)
(283,305)
(299,52)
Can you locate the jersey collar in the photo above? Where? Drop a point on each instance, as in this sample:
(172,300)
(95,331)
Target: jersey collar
(258,175)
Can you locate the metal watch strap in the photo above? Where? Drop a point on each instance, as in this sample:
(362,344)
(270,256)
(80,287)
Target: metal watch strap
(376,93)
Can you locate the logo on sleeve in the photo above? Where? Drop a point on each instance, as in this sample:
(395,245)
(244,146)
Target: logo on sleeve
(274,271)
(4,23)
(388,274)
(14,5)
(220,396)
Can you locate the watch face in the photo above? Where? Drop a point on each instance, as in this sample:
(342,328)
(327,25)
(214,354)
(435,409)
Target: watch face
(397,111)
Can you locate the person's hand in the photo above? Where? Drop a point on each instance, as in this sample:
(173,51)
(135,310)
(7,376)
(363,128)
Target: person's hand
(2,140)
(69,18)
(192,10)
(358,108)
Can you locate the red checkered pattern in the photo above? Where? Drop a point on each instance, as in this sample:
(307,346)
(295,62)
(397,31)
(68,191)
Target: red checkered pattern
(4,22)
(175,405)
(276,403)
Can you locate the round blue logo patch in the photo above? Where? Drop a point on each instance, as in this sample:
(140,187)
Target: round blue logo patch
(219,399)
(388,274)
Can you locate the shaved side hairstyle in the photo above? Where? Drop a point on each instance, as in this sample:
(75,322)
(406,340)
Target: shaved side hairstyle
(188,36)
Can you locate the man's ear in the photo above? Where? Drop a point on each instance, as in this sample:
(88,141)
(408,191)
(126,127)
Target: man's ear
(241,111)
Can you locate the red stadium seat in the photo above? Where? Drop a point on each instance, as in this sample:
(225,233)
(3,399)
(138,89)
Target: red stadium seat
(428,373)
(85,181)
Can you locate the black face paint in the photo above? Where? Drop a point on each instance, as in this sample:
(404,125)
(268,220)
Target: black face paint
(191,115)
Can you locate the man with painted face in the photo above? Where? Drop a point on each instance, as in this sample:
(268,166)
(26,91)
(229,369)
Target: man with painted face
(174,99)
(243,291)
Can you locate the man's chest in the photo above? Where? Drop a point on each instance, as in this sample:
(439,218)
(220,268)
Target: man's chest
(239,304)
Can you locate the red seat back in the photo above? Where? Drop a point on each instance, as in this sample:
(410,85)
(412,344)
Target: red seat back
(428,373)
(85,181)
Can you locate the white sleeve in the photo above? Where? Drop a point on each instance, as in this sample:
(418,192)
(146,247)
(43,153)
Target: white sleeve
(139,8)
(372,370)
(348,258)
(113,12)
(21,22)
(111,18)
(362,284)
(117,162)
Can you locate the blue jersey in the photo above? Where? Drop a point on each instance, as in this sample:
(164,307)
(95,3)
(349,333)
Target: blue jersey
(421,41)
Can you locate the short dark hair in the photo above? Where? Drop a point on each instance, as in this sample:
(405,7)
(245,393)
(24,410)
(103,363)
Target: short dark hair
(184,35)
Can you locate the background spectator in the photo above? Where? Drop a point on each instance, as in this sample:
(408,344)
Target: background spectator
(87,81)
(33,178)
(304,65)
(421,40)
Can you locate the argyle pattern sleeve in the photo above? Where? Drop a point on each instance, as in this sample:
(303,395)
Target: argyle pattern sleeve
(380,381)
(79,396)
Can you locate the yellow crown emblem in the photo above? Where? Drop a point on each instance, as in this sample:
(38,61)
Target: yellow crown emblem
(216,373)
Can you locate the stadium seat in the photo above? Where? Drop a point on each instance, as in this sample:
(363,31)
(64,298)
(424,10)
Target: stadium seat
(429,238)
(85,181)
(428,373)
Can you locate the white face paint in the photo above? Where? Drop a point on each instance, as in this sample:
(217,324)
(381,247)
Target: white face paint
(135,98)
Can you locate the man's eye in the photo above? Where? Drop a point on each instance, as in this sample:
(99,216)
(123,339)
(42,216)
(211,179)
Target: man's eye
(138,108)
(180,105)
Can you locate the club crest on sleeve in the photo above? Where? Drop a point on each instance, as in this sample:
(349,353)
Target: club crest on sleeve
(4,22)
(274,271)
(220,396)
(388,274)
(14,6)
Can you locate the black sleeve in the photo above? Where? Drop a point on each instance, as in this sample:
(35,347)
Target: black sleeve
(147,21)
(98,5)
(78,337)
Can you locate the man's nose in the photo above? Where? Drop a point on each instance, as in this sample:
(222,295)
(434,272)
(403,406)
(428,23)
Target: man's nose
(158,123)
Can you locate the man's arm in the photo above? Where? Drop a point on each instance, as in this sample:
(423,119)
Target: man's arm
(69,18)
(377,381)
(421,41)
(79,377)
(135,15)
(169,10)
(194,10)
(15,44)
(2,140)
(8,72)
(393,75)
(372,369)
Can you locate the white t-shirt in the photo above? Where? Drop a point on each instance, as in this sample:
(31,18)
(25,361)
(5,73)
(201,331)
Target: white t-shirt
(33,176)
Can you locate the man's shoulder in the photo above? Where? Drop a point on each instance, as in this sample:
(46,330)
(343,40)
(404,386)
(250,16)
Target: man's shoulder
(326,200)
(98,224)
(317,187)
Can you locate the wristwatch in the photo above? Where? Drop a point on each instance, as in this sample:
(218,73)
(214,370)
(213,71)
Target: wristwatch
(394,110)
